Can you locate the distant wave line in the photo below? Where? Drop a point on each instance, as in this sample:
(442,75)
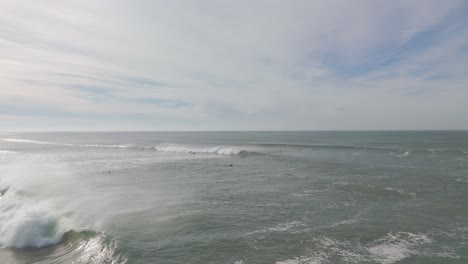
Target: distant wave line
(177,148)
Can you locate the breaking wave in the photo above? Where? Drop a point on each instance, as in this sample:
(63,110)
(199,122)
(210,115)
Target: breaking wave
(26,222)
(223,150)
(176,148)
(37,210)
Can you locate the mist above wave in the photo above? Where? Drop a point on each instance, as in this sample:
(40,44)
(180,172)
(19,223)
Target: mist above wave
(41,200)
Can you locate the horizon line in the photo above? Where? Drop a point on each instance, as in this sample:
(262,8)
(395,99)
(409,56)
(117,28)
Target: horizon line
(298,130)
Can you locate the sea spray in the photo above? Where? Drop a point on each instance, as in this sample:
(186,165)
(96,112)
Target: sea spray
(31,208)
(26,222)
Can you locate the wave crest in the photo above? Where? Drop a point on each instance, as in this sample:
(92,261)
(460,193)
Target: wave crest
(222,150)
(28,223)
(177,148)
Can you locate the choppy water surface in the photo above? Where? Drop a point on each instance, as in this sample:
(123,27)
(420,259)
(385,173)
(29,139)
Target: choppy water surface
(234,197)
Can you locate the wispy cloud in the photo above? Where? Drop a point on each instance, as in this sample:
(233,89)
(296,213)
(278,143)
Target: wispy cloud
(233,65)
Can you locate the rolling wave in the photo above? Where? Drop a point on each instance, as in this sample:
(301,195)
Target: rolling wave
(27,223)
(202,149)
(223,150)
(39,213)
(177,148)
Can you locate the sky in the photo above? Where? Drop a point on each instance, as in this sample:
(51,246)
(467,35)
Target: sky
(108,65)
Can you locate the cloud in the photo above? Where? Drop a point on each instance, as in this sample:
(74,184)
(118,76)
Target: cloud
(243,65)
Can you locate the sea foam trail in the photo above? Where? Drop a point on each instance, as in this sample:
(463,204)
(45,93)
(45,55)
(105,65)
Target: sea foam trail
(390,249)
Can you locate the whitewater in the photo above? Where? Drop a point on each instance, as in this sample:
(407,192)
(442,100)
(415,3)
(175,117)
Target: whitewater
(234,197)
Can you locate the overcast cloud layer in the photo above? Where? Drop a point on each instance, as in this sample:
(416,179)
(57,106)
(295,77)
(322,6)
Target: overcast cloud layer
(233,65)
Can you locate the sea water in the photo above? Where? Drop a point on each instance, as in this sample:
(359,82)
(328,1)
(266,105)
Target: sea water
(234,197)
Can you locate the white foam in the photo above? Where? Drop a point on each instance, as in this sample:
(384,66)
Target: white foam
(324,249)
(177,148)
(400,191)
(387,254)
(401,154)
(305,193)
(303,260)
(20,140)
(395,247)
(346,222)
(404,154)
(96,250)
(282,227)
(66,144)
(33,210)
(7,152)
(28,223)
(223,150)
(106,146)
(390,249)
(286,226)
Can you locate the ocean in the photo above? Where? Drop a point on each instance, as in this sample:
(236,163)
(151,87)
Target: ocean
(234,197)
